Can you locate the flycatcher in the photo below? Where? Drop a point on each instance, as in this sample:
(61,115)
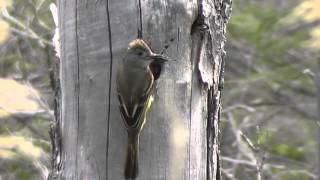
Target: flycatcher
(135,84)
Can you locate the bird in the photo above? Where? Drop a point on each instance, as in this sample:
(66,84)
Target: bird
(136,76)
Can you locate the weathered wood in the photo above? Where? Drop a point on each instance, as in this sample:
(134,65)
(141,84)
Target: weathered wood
(180,138)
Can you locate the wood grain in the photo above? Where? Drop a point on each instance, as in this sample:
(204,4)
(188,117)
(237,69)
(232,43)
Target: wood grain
(174,141)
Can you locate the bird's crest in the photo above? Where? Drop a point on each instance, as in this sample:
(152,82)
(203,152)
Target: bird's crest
(138,44)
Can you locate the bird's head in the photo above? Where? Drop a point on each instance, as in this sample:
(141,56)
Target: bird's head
(139,52)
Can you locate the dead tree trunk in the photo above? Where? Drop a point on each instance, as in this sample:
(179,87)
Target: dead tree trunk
(181,137)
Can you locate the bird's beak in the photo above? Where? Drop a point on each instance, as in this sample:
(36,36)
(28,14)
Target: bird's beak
(160,58)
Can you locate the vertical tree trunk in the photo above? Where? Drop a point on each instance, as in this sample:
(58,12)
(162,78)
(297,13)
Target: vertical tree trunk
(181,137)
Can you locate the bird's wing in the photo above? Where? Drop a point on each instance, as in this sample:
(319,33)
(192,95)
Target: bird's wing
(132,113)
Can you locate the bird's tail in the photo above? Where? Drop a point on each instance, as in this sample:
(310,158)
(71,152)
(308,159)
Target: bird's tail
(131,168)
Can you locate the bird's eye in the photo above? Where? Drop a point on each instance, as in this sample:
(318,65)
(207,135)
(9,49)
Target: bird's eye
(140,53)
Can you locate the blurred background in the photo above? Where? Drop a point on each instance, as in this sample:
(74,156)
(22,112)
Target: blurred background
(270,127)
(26,57)
(270,116)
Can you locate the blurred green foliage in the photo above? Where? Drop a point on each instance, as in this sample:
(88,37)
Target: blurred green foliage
(290,151)
(26,57)
(270,93)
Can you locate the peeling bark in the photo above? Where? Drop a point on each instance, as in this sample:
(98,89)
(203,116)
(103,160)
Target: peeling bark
(55,129)
(210,32)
